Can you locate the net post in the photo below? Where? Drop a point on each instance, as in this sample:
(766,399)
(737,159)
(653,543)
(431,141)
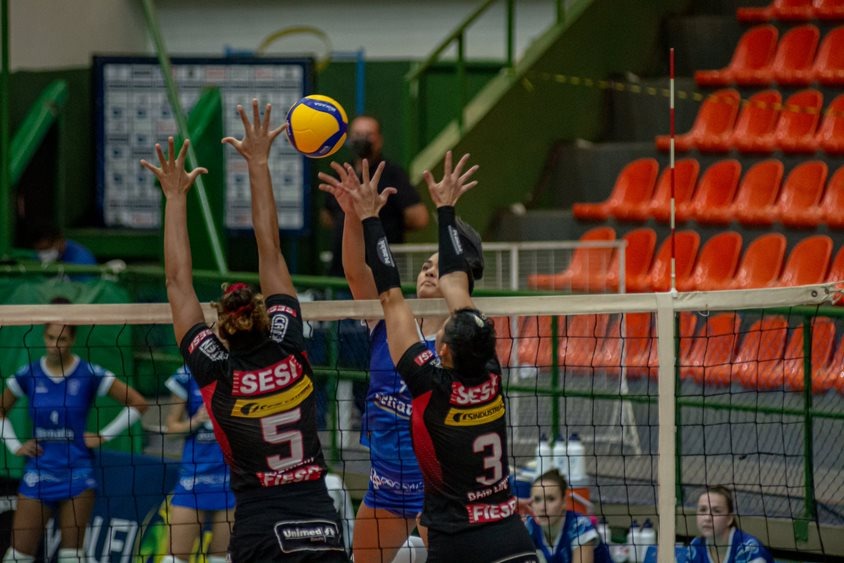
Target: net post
(666,476)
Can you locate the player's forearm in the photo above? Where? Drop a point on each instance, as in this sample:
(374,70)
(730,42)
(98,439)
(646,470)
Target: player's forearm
(354,260)
(264,213)
(178,263)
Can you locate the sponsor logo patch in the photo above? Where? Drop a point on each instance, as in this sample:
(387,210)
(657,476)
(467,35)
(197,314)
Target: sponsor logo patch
(308,535)
(278,328)
(480,513)
(203,334)
(280,402)
(303,473)
(475,416)
(266,380)
(462,395)
(290,311)
(423,357)
(384,253)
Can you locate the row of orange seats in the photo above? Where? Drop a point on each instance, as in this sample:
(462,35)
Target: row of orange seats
(761,58)
(764,124)
(714,350)
(793,10)
(721,263)
(804,200)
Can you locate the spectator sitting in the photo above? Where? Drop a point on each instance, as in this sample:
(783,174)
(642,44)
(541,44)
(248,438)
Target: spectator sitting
(52,246)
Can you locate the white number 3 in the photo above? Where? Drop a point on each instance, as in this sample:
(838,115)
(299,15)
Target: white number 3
(492,460)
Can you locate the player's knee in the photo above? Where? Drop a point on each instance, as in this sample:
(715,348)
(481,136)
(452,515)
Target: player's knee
(71,555)
(14,556)
(412,551)
(174,559)
(216,559)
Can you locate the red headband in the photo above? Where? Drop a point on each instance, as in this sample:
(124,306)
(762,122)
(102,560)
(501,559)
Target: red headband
(235,287)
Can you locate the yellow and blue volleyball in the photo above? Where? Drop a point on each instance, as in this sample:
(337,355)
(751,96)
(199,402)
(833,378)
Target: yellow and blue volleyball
(316,126)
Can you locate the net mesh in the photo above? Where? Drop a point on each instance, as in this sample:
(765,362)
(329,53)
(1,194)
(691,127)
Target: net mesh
(727,370)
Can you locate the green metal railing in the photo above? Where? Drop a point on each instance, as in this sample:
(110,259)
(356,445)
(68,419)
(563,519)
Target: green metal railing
(415,79)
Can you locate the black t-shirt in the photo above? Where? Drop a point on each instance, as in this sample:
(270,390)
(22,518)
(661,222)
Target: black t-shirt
(392,214)
(261,401)
(460,438)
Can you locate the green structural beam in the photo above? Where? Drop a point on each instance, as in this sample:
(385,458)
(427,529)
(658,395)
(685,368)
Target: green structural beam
(35,126)
(6,223)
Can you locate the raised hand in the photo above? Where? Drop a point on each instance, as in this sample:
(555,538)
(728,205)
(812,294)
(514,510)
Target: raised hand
(365,200)
(454,182)
(93,440)
(334,186)
(171,175)
(257,135)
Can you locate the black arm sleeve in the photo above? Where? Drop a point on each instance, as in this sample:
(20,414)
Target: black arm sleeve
(452,258)
(378,256)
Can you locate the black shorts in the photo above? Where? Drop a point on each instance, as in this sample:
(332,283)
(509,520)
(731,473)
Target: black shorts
(503,542)
(286,529)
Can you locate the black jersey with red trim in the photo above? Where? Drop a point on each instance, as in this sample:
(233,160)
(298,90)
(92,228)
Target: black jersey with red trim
(261,401)
(460,438)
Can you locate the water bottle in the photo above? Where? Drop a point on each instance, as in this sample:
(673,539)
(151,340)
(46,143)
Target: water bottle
(558,454)
(544,456)
(604,531)
(576,454)
(647,538)
(632,540)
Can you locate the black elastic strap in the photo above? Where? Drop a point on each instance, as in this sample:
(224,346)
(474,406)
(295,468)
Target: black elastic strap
(378,256)
(452,256)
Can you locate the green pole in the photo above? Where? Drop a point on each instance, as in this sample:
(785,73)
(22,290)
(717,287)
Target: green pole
(511,32)
(182,125)
(461,80)
(6,217)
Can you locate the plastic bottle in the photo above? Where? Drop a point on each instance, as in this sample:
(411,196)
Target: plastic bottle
(544,456)
(604,531)
(576,454)
(558,454)
(647,538)
(632,540)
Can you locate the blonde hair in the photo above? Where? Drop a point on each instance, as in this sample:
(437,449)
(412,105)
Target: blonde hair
(241,312)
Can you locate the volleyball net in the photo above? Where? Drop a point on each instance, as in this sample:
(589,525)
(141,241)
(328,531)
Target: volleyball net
(666,393)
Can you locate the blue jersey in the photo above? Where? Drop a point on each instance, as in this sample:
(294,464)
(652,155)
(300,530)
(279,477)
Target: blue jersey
(744,548)
(386,422)
(577,531)
(202,458)
(59,407)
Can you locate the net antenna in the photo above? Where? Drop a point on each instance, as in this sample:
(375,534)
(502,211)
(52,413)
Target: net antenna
(672,223)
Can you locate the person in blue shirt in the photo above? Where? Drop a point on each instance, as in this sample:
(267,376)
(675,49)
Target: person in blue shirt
(58,478)
(560,535)
(388,512)
(203,493)
(720,540)
(52,246)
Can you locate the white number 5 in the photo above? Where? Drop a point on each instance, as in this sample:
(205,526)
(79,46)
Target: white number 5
(492,460)
(270,427)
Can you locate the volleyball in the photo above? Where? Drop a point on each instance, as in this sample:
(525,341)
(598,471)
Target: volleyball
(316,126)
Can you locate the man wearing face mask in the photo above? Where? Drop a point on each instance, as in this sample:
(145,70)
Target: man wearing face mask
(404,210)
(52,246)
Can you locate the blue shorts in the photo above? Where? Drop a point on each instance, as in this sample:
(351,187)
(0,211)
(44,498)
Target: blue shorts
(53,487)
(397,489)
(211,492)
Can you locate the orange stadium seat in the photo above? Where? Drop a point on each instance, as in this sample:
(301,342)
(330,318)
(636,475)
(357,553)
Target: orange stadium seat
(829,9)
(716,190)
(634,184)
(764,342)
(798,123)
(761,262)
(638,255)
(833,201)
(830,135)
(607,354)
(685,178)
(535,342)
(686,245)
(688,326)
(807,263)
(639,343)
(823,340)
(577,352)
(503,339)
(716,263)
(802,193)
(715,120)
(831,375)
(756,122)
(829,62)
(588,267)
(795,57)
(755,51)
(712,350)
(801,190)
(759,186)
(799,10)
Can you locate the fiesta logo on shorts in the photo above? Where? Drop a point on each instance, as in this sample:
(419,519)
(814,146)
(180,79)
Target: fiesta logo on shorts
(265,406)
(475,416)
(483,513)
(423,358)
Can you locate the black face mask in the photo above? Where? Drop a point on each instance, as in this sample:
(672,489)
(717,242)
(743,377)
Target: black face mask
(362,147)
